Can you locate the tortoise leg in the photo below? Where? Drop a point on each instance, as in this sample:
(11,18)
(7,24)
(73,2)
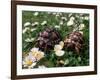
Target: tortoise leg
(77,49)
(45,49)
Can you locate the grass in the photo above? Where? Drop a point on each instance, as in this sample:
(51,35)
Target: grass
(53,19)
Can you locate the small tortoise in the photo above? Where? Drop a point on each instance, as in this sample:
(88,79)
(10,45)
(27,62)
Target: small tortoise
(48,38)
(74,41)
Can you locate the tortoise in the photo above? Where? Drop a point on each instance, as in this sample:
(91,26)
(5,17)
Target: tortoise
(48,38)
(74,41)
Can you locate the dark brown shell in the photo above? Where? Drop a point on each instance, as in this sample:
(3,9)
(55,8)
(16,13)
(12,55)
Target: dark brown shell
(48,38)
(74,41)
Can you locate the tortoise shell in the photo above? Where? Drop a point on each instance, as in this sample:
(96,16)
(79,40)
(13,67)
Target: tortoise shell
(48,38)
(74,41)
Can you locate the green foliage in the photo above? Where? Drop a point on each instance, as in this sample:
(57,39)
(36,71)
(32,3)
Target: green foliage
(53,19)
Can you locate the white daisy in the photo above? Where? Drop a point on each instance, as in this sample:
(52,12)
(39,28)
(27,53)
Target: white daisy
(61,61)
(70,15)
(61,23)
(33,29)
(70,23)
(81,32)
(61,43)
(28,61)
(32,39)
(54,13)
(34,49)
(35,23)
(59,53)
(36,14)
(44,23)
(64,18)
(29,40)
(57,15)
(57,47)
(25,30)
(72,18)
(27,24)
(66,62)
(37,53)
(33,56)
(81,26)
(86,18)
(56,26)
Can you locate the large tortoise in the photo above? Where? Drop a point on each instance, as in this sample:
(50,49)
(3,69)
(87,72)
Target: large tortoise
(48,38)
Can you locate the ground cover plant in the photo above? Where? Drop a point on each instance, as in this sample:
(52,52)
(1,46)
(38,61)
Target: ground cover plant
(54,39)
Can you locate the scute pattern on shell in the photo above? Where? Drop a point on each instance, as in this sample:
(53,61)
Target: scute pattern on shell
(48,38)
(74,41)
